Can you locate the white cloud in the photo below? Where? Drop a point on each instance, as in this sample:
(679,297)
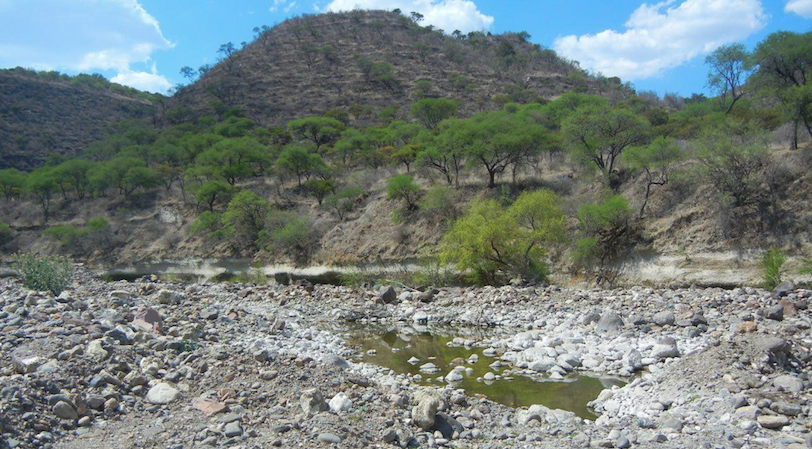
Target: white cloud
(276,5)
(664,35)
(801,7)
(82,35)
(147,81)
(448,15)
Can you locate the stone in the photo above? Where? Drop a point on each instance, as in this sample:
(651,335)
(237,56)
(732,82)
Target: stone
(423,414)
(420,317)
(454,376)
(209,408)
(610,322)
(388,294)
(589,318)
(790,384)
(390,436)
(775,313)
(772,421)
(330,438)
(209,313)
(312,401)
(786,408)
(148,320)
(169,297)
(232,429)
(664,318)
(665,347)
(334,360)
(162,393)
(97,351)
(746,327)
(27,365)
(340,403)
(65,411)
(447,425)
(783,289)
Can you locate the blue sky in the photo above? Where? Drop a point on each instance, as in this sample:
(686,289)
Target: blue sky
(657,46)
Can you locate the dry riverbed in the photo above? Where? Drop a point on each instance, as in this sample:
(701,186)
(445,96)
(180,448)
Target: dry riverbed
(160,365)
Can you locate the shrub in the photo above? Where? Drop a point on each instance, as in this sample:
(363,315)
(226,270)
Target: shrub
(208,223)
(344,201)
(605,233)
(403,187)
(51,274)
(440,201)
(97,224)
(493,245)
(65,234)
(287,232)
(772,266)
(806,266)
(6,233)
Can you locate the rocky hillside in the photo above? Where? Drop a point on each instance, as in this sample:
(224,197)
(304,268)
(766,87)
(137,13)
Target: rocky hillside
(47,113)
(363,61)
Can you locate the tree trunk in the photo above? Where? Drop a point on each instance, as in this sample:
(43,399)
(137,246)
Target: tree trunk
(645,200)
(491,179)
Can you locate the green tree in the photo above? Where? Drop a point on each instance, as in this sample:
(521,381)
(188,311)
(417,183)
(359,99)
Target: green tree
(732,155)
(782,62)
(320,188)
(605,231)
(319,130)
(494,245)
(209,192)
(431,111)
(139,177)
(344,201)
(599,134)
(440,201)
(74,173)
(297,160)
(656,161)
(12,182)
(288,233)
(403,187)
(42,184)
(6,234)
(244,218)
(728,71)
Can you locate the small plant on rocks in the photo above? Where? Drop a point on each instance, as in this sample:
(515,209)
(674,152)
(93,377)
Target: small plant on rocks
(772,265)
(45,273)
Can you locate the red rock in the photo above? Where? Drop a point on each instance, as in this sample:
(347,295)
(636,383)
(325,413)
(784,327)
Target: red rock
(209,408)
(149,320)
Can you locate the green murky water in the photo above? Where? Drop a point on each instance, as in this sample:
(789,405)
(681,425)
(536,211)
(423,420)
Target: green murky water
(394,347)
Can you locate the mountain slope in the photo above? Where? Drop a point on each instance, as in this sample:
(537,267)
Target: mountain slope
(42,114)
(363,61)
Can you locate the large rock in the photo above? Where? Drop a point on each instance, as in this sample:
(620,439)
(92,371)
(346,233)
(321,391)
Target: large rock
(340,403)
(773,421)
(424,413)
(169,297)
(789,384)
(665,347)
(783,289)
(97,351)
(148,320)
(312,401)
(27,365)
(775,313)
(162,393)
(664,318)
(388,294)
(610,322)
(65,411)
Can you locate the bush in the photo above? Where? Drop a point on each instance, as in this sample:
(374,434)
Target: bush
(440,201)
(51,274)
(605,236)
(403,187)
(772,266)
(493,245)
(344,201)
(806,266)
(210,224)
(288,232)
(6,233)
(65,234)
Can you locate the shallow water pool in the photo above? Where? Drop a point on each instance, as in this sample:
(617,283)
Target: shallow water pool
(394,347)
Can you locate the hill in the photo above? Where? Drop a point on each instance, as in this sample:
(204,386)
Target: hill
(365,61)
(44,113)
